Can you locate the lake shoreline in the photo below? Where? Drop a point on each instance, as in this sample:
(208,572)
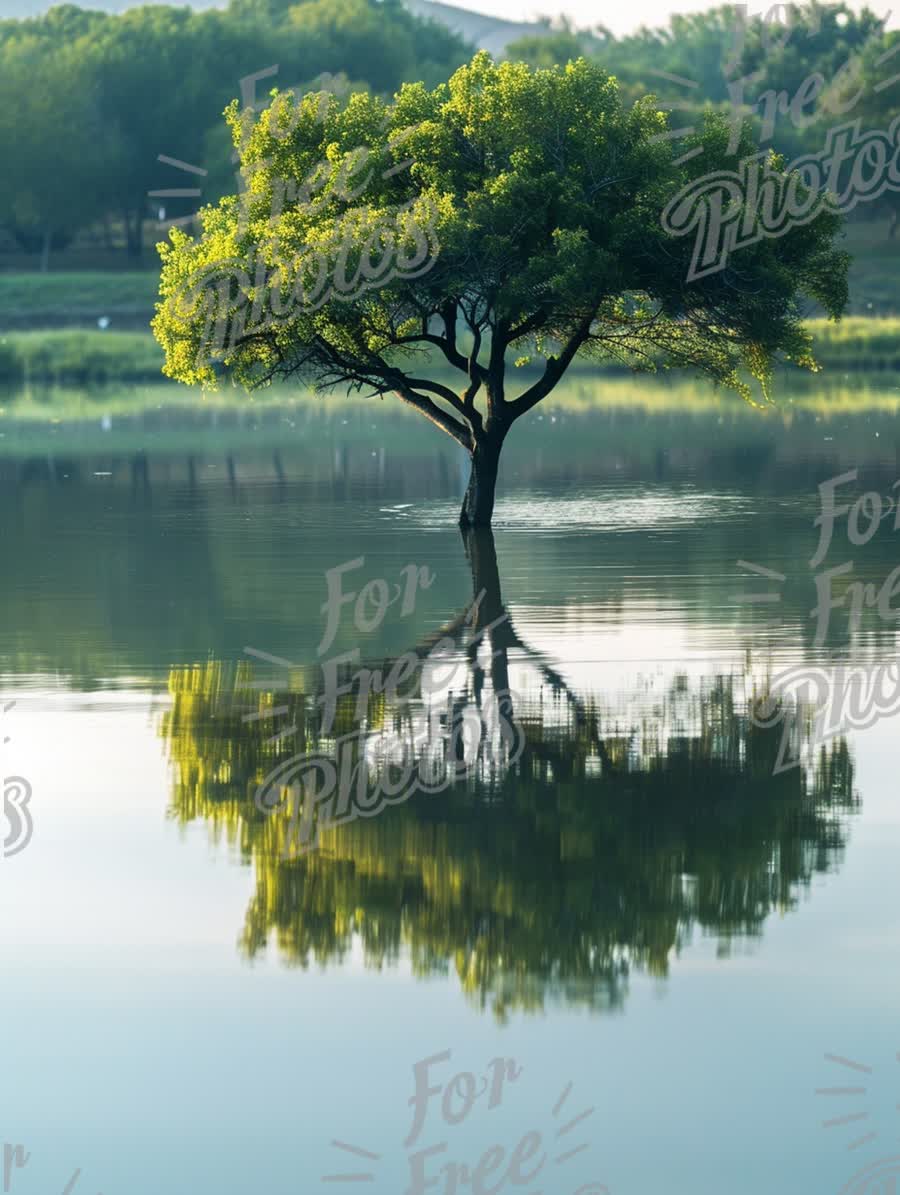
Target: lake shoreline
(94,356)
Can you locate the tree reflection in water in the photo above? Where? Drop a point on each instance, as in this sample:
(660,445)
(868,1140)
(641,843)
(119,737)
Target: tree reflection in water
(600,849)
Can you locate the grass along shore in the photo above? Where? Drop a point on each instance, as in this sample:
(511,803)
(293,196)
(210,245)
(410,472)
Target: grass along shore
(78,356)
(83,357)
(828,399)
(80,297)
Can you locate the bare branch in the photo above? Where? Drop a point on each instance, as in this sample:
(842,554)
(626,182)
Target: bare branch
(462,435)
(556,367)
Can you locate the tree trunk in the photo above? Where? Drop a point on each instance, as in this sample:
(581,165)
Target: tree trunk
(45,251)
(478,504)
(134,235)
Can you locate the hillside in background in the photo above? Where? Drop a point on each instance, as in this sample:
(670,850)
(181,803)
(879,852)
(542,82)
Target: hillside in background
(487,33)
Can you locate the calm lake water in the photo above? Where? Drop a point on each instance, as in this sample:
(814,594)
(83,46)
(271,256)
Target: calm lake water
(619,890)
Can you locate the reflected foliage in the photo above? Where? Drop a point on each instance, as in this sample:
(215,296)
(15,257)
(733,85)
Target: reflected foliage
(629,822)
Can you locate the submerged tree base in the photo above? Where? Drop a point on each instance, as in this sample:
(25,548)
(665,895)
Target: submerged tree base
(478,503)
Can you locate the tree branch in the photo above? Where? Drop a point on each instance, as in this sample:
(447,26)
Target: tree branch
(433,413)
(556,367)
(443,391)
(531,324)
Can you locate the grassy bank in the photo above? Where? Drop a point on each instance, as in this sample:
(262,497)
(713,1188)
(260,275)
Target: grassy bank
(78,298)
(857,343)
(139,405)
(91,357)
(77,356)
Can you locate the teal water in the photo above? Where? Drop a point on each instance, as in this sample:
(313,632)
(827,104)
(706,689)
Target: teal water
(635,905)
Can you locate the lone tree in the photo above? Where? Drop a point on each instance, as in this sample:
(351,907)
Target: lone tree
(509,214)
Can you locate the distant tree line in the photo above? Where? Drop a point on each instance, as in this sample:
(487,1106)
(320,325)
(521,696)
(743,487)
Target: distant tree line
(88,100)
(797,71)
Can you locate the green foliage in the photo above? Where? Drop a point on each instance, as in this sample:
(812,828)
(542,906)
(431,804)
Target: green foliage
(693,46)
(76,355)
(544,192)
(857,343)
(88,100)
(45,146)
(556,46)
(451,881)
(155,80)
(716,49)
(823,36)
(375,40)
